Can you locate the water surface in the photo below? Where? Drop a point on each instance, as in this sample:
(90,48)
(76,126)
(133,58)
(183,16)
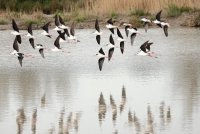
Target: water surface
(66,92)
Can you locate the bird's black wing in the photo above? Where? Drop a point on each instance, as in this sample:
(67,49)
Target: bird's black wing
(14,25)
(57,22)
(31,40)
(72,32)
(110,53)
(98,38)
(41,51)
(62,35)
(143,46)
(30,29)
(112,30)
(15,45)
(20,58)
(57,42)
(110,21)
(97,25)
(112,40)
(122,46)
(100,63)
(119,33)
(46,27)
(165,28)
(133,35)
(158,15)
(126,30)
(101,51)
(19,39)
(61,20)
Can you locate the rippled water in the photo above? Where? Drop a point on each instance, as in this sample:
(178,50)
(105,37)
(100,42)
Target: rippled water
(66,92)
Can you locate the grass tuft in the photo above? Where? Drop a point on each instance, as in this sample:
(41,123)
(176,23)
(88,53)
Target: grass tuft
(175,11)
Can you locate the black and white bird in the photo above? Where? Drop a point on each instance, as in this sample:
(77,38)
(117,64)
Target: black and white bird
(110,25)
(57,45)
(20,57)
(46,30)
(112,46)
(63,26)
(57,24)
(158,21)
(97,32)
(133,32)
(72,36)
(16,31)
(121,39)
(127,25)
(165,27)
(146,23)
(41,49)
(30,35)
(15,47)
(102,57)
(145,50)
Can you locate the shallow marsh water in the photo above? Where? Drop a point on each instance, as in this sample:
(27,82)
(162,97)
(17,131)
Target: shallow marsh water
(160,95)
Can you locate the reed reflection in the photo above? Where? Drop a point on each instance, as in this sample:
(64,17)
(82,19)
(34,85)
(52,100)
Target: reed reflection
(134,121)
(114,109)
(34,120)
(43,100)
(123,99)
(21,118)
(61,122)
(149,129)
(102,108)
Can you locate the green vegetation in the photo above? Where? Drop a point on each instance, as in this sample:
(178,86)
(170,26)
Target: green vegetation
(175,11)
(47,6)
(139,12)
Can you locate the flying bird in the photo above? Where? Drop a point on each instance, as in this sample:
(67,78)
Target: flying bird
(57,24)
(110,25)
(41,49)
(133,32)
(102,56)
(46,30)
(97,32)
(20,57)
(165,27)
(57,45)
(121,39)
(63,26)
(30,35)
(112,46)
(16,31)
(127,25)
(145,50)
(158,21)
(15,47)
(146,23)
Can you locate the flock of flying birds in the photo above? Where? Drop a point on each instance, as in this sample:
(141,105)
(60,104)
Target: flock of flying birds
(63,30)
(133,31)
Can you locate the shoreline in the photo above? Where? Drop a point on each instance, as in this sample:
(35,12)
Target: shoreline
(184,20)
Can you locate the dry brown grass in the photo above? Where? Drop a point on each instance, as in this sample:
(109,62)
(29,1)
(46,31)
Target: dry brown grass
(151,6)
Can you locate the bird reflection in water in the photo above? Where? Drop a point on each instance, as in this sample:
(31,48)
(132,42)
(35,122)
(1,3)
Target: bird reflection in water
(149,126)
(134,121)
(43,100)
(169,114)
(114,109)
(102,108)
(123,99)
(61,122)
(34,120)
(72,122)
(21,118)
